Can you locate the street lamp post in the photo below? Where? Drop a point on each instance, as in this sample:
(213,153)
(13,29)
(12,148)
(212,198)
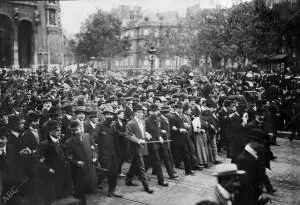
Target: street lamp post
(152,51)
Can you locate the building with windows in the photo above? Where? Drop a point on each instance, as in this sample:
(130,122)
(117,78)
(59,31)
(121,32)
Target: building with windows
(30,33)
(137,28)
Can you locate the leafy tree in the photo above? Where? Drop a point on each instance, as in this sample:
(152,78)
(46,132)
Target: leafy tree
(100,37)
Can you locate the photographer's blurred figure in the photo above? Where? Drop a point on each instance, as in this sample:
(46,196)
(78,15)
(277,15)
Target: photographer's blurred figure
(229,183)
(252,182)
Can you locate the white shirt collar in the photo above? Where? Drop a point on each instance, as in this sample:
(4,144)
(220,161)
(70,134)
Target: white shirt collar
(33,129)
(55,140)
(92,124)
(16,134)
(3,150)
(249,149)
(69,116)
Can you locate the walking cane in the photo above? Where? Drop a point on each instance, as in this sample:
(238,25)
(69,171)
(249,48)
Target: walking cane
(291,120)
(152,142)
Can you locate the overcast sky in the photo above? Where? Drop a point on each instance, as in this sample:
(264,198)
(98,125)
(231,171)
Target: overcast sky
(73,13)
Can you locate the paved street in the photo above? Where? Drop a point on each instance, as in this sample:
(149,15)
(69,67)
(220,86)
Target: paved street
(188,190)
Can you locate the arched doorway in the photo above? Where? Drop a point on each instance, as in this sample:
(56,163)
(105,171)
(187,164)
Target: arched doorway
(6,41)
(25,43)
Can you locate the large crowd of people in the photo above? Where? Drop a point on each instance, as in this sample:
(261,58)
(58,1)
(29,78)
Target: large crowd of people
(63,133)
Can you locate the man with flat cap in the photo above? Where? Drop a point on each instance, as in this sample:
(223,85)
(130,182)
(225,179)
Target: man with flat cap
(82,157)
(136,133)
(106,137)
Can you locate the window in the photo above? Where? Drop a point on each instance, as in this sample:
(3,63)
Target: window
(146,32)
(52,17)
(51,2)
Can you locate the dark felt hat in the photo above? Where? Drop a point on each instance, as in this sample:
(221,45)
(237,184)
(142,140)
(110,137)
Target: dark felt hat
(178,105)
(153,107)
(52,124)
(80,109)
(165,109)
(92,114)
(227,103)
(32,116)
(74,124)
(54,111)
(69,109)
(137,107)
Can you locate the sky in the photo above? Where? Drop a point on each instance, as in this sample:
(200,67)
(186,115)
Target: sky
(74,12)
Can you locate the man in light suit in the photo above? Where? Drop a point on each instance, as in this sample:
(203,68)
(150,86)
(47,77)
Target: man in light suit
(136,133)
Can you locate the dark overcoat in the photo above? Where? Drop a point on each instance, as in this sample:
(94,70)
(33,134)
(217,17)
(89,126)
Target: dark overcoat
(251,181)
(54,156)
(84,177)
(105,137)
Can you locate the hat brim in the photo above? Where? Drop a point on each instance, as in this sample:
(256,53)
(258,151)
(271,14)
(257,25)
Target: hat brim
(105,112)
(231,173)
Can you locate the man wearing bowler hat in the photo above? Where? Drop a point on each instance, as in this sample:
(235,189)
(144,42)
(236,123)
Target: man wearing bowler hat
(107,140)
(179,136)
(136,133)
(90,122)
(153,128)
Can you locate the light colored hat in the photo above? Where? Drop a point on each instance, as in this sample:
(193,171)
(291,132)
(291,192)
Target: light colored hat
(108,109)
(228,169)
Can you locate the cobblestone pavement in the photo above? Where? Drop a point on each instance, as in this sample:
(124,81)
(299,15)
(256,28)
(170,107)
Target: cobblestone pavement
(188,190)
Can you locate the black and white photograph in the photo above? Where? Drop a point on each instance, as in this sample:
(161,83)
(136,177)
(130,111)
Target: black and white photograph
(149,102)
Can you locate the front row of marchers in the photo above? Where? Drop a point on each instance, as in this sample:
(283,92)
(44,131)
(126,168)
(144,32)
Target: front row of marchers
(54,156)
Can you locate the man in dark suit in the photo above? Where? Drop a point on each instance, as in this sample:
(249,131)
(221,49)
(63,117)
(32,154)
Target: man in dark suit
(83,158)
(153,128)
(54,167)
(224,123)
(234,126)
(165,149)
(256,132)
(29,143)
(120,128)
(249,161)
(54,113)
(90,122)
(106,138)
(128,113)
(179,139)
(136,133)
(66,119)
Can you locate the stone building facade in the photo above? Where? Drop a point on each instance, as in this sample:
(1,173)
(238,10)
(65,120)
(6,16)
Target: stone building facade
(30,34)
(137,25)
